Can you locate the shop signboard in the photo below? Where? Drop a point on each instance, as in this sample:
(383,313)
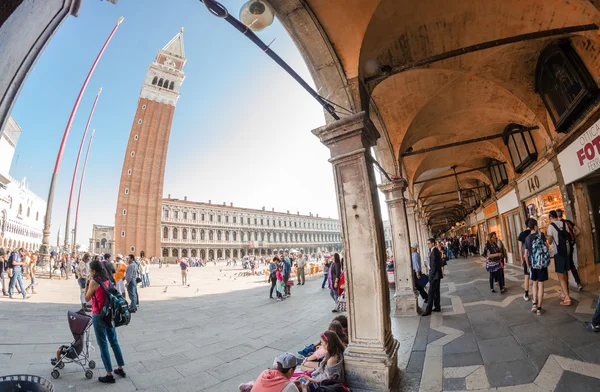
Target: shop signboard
(537,181)
(581,157)
(480,216)
(508,202)
(490,210)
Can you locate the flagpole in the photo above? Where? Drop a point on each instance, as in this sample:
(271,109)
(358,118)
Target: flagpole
(87,154)
(87,125)
(44,251)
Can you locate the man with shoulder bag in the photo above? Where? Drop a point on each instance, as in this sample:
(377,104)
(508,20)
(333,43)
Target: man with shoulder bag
(435,277)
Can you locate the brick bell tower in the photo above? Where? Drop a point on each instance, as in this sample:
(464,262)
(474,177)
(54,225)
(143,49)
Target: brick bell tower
(139,205)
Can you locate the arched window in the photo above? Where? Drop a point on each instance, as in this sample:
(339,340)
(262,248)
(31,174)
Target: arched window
(165,252)
(174,233)
(103,243)
(184,253)
(166,84)
(172,85)
(226,236)
(201,235)
(218,235)
(160,82)
(210,235)
(175,253)
(564,84)
(165,232)
(37,216)
(234,236)
(154,81)
(193,234)
(20,209)
(28,211)
(184,234)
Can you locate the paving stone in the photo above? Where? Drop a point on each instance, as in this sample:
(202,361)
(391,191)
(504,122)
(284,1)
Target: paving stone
(434,335)
(420,343)
(483,317)
(590,352)
(501,350)
(415,364)
(575,334)
(460,322)
(462,359)
(510,373)
(464,344)
(491,330)
(538,352)
(454,384)
(570,382)
(532,332)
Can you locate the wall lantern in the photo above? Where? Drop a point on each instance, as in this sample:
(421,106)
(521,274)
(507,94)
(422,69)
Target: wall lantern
(499,177)
(521,146)
(472,200)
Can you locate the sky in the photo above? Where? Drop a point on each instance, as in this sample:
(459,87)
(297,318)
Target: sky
(241,131)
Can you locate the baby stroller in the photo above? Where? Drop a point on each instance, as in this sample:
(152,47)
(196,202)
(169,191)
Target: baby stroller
(78,351)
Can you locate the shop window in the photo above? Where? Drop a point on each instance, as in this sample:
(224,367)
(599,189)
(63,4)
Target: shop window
(499,177)
(564,84)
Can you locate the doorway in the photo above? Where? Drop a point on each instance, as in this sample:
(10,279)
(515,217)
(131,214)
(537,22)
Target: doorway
(593,193)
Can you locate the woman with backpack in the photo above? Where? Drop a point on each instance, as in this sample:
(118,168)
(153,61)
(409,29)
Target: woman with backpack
(493,257)
(104,333)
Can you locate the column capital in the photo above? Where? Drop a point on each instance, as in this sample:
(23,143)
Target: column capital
(394,191)
(348,135)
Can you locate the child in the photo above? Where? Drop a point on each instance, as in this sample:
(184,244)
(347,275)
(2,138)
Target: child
(331,366)
(279,286)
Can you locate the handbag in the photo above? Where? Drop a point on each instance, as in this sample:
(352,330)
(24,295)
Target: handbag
(290,283)
(340,304)
(138,280)
(423,280)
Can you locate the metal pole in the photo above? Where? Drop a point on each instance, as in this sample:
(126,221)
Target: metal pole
(87,125)
(87,154)
(44,252)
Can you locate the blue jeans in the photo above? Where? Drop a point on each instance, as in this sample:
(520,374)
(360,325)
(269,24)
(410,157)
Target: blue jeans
(334,294)
(596,318)
(144,284)
(16,277)
(325,275)
(104,336)
(147,277)
(132,293)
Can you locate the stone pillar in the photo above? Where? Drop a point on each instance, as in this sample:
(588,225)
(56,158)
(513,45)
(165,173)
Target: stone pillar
(371,359)
(405,300)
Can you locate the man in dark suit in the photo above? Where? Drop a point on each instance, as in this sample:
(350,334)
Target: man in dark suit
(435,277)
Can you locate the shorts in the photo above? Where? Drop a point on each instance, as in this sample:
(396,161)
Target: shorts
(562,264)
(539,275)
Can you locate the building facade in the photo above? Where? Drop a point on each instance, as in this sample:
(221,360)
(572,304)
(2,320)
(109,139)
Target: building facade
(137,220)
(21,211)
(206,230)
(102,240)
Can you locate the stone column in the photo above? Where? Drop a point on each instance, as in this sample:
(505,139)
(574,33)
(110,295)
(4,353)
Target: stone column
(405,300)
(371,359)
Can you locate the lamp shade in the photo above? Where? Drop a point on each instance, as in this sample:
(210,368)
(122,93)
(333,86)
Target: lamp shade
(256,15)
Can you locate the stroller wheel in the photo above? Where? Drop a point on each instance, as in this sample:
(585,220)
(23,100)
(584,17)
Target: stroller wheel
(55,374)
(92,364)
(89,374)
(60,365)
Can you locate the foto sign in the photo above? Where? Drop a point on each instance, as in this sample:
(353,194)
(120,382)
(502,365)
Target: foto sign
(581,157)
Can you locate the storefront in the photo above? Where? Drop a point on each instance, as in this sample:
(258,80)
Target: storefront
(579,165)
(508,209)
(540,193)
(480,231)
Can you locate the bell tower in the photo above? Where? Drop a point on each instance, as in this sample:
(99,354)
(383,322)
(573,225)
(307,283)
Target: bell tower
(139,205)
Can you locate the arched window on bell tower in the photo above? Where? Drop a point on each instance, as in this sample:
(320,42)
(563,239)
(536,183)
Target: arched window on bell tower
(155,80)
(166,84)
(160,82)
(172,85)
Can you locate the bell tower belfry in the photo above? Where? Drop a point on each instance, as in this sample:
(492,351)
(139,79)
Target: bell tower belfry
(139,204)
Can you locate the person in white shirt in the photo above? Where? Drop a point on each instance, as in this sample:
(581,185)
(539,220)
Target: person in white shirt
(561,255)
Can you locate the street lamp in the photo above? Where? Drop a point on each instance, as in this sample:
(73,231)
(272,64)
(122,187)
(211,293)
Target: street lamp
(258,18)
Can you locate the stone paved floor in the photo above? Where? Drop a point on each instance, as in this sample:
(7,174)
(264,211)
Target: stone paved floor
(492,342)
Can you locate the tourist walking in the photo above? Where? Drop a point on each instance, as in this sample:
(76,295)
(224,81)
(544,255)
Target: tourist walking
(81,273)
(435,277)
(300,273)
(573,233)
(110,267)
(131,276)
(184,272)
(493,256)
(559,238)
(325,273)
(273,274)
(119,275)
(287,270)
(335,272)
(420,280)
(147,272)
(31,287)
(280,283)
(522,237)
(538,257)
(3,270)
(104,335)
(16,263)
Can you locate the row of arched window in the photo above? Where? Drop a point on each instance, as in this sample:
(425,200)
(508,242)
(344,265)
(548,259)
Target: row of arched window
(20,212)
(20,230)
(249,236)
(164,83)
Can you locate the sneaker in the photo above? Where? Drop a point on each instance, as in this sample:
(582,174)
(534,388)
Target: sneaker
(539,311)
(503,291)
(565,303)
(493,291)
(534,308)
(53,361)
(278,299)
(592,327)
(107,379)
(561,295)
(121,372)
(579,286)
(525,297)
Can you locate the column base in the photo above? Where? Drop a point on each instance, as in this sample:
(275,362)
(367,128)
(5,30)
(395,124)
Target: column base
(366,373)
(405,303)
